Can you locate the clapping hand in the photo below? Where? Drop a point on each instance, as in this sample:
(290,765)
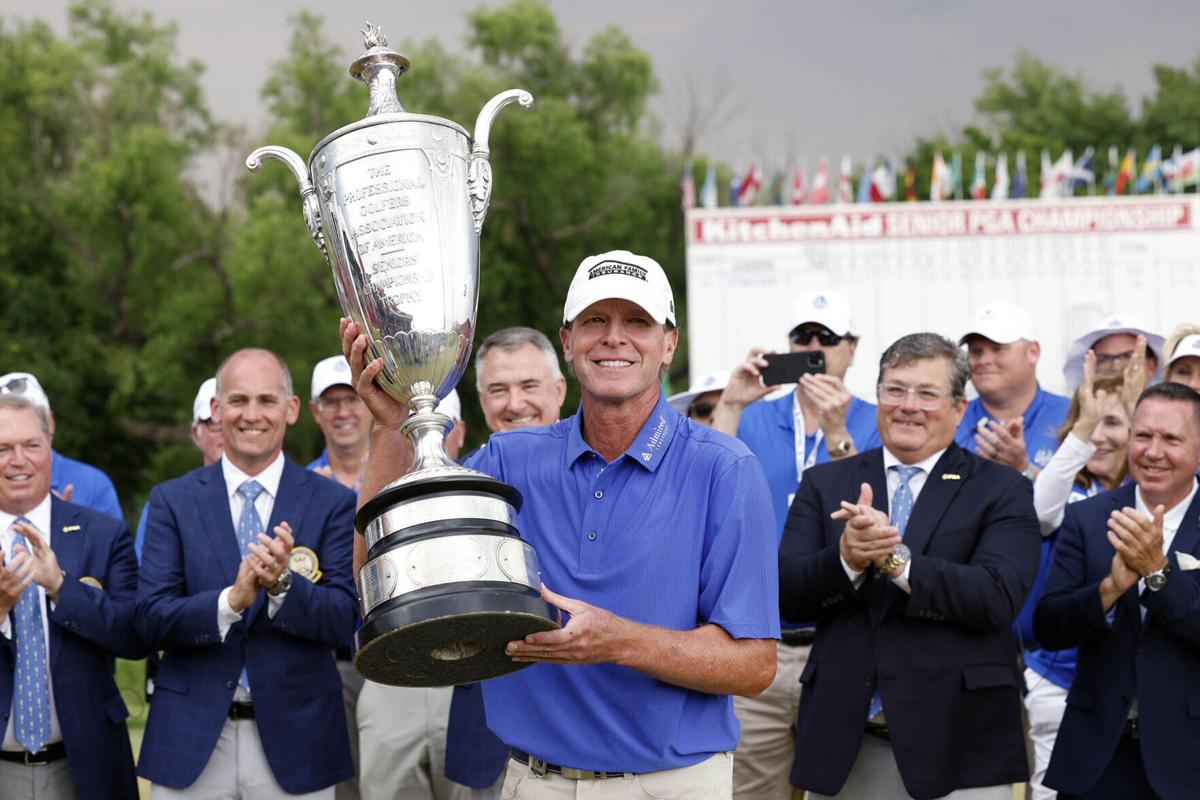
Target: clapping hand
(869,537)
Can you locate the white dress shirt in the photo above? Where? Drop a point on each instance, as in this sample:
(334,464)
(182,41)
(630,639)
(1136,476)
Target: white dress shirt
(264,504)
(915,484)
(39,517)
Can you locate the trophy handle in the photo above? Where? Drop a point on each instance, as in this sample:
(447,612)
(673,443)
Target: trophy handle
(479,169)
(308,194)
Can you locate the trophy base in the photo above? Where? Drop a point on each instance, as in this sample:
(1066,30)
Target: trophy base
(450,637)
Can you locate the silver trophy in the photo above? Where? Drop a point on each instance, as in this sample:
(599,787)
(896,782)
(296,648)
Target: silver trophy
(396,202)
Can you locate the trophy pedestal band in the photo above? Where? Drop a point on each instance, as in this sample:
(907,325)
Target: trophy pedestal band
(450,635)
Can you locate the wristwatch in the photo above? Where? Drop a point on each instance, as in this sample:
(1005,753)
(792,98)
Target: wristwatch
(282,585)
(899,557)
(841,449)
(1158,579)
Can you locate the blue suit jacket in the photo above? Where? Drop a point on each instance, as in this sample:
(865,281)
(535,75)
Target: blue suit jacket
(190,554)
(88,627)
(943,657)
(1156,660)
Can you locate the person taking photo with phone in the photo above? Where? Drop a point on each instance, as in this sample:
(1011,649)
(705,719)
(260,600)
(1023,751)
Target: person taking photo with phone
(819,422)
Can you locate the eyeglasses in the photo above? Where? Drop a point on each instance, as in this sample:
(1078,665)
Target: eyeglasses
(700,410)
(15,386)
(895,394)
(826,337)
(1113,359)
(346,401)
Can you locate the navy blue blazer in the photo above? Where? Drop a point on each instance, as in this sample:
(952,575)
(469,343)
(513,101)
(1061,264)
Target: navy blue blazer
(190,554)
(943,657)
(91,622)
(1156,661)
(474,755)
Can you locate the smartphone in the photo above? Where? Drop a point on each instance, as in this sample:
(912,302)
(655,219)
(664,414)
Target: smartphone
(788,367)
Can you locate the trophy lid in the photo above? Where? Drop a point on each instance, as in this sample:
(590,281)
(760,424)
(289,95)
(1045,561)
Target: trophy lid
(379,68)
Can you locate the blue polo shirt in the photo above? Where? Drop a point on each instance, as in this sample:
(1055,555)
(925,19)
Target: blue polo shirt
(768,428)
(676,532)
(320,461)
(93,488)
(1042,418)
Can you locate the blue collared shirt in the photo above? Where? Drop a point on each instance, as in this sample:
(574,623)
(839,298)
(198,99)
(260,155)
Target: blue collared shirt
(93,488)
(676,532)
(1042,419)
(768,428)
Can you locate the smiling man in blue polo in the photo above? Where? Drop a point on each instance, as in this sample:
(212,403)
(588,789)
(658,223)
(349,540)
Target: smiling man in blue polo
(655,535)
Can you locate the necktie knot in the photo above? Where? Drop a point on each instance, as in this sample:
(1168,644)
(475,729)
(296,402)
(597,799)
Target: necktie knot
(250,490)
(906,473)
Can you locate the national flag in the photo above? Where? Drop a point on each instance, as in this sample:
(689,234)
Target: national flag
(1151,176)
(1125,173)
(777,188)
(1000,182)
(735,188)
(979,182)
(864,185)
(1047,182)
(1110,178)
(751,184)
(820,185)
(708,192)
(956,175)
(1021,181)
(939,179)
(846,182)
(883,182)
(1183,169)
(1080,173)
(799,185)
(687,190)
(910,183)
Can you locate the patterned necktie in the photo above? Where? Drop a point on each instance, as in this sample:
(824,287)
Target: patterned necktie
(31,684)
(902,506)
(249,527)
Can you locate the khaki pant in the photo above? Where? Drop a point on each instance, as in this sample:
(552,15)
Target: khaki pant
(711,779)
(402,744)
(763,759)
(352,682)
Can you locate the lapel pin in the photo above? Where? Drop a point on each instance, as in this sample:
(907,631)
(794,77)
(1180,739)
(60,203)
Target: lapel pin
(951,476)
(71,528)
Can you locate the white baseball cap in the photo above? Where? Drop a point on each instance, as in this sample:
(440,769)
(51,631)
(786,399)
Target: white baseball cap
(1002,323)
(202,405)
(1188,346)
(332,371)
(621,275)
(1115,323)
(826,307)
(710,382)
(451,406)
(27,386)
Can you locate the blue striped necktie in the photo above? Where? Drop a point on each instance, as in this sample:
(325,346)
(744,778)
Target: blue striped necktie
(902,506)
(31,683)
(249,527)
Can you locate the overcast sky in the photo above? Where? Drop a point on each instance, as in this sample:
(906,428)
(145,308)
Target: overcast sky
(806,78)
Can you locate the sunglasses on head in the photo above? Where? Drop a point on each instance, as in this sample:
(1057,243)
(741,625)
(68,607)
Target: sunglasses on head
(15,386)
(700,410)
(826,337)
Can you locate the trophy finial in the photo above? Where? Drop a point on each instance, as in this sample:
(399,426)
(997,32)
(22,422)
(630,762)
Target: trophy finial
(373,36)
(379,67)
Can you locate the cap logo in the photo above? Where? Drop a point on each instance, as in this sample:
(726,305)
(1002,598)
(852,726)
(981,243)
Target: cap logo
(1196,344)
(341,366)
(820,301)
(616,268)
